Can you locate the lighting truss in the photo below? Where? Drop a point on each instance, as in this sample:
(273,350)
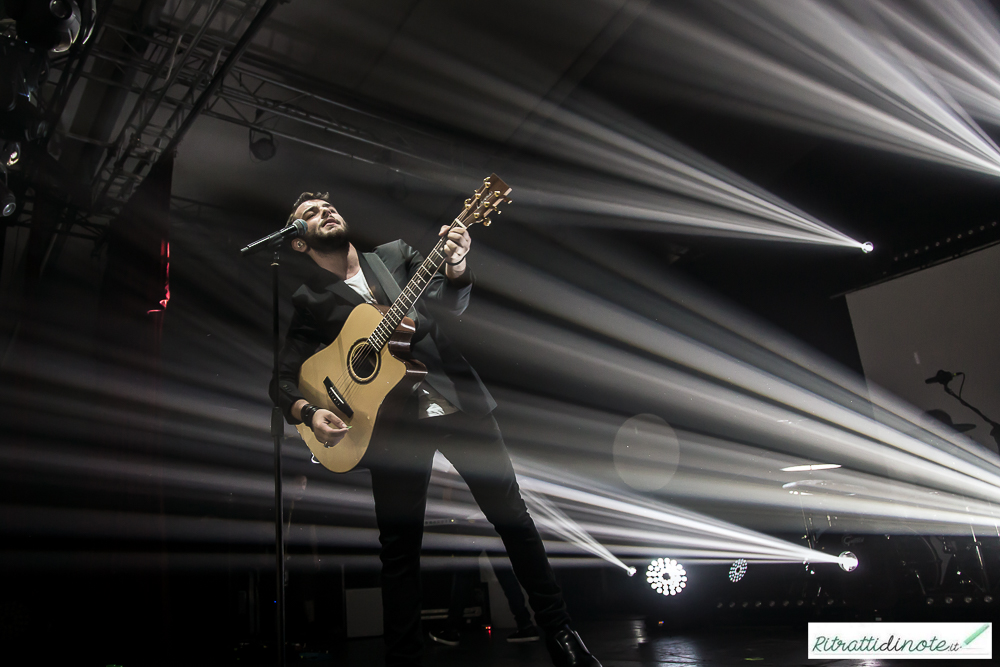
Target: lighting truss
(158,69)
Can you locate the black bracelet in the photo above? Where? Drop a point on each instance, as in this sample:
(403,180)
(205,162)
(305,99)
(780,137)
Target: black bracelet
(456,263)
(307,413)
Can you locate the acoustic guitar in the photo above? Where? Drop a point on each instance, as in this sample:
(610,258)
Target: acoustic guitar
(366,373)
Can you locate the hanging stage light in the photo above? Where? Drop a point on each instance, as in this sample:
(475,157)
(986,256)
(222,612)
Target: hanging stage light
(53,25)
(738,569)
(10,153)
(666,576)
(8,203)
(262,144)
(848,561)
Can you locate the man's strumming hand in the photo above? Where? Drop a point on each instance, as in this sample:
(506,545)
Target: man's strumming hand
(328,427)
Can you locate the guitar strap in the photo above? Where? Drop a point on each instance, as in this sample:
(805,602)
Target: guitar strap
(388,283)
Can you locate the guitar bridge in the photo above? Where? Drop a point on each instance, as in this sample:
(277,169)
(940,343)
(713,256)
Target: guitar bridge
(337,398)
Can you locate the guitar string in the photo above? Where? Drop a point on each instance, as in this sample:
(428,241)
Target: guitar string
(346,374)
(346,379)
(346,384)
(439,250)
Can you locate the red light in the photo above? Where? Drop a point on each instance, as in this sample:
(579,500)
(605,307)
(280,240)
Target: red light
(165,262)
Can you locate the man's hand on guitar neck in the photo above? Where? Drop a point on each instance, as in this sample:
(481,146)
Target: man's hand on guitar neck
(328,427)
(458,246)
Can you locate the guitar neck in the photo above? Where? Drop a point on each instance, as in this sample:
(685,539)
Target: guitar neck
(418,283)
(477,210)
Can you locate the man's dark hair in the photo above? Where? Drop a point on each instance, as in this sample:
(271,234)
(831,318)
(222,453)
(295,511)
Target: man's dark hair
(306,196)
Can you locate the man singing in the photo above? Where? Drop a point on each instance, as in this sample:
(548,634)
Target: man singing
(450,412)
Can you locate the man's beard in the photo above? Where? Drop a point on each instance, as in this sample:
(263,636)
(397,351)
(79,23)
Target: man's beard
(328,242)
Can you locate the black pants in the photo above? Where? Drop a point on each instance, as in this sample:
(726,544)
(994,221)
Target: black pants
(400,463)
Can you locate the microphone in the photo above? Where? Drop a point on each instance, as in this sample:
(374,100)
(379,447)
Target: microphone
(297,228)
(942,377)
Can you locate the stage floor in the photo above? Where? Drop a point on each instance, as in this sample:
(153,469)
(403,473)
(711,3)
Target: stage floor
(616,644)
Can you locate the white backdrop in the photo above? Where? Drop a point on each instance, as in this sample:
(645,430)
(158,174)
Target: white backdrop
(945,317)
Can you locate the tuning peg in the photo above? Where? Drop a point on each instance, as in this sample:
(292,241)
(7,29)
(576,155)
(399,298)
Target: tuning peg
(479,195)
(476,215)
(487,222)
(496,193)
(468,203)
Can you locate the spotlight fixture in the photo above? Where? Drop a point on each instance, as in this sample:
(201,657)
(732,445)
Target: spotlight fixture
(8,203)
(738,569)
(848,561)
(262,145)
(867,247)
(666,576)
(11,153)
(53,25)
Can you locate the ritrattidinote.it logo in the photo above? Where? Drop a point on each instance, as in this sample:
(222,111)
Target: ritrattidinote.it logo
(901,640)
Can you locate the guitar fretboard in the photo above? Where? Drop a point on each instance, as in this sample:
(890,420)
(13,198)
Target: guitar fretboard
(418,283)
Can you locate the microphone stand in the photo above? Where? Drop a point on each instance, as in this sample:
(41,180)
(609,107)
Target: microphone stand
(278,433)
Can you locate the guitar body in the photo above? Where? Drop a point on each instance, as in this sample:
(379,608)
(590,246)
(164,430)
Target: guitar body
(358,384)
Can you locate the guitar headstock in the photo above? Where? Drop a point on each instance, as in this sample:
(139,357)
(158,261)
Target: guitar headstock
(485,202)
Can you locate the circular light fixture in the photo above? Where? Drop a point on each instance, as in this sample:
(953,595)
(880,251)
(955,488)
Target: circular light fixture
(867,247)
(666,576)
(262,145)
(848,561)
(8,203)
(11,153)
(737,570)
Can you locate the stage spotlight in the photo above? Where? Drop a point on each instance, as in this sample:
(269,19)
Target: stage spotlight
(11,153)
(631,571)
(738,569)
(867,247)
(262,145)
(848,561)
(8,203)
(52,25)
(666,576)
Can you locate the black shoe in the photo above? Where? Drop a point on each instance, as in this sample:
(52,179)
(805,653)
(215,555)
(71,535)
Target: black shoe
(567,649)
(446,637)
(528,634)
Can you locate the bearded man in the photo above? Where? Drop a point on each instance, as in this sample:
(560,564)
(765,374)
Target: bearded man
(450,412)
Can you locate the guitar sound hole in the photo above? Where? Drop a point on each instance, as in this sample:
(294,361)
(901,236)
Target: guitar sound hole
(364,362)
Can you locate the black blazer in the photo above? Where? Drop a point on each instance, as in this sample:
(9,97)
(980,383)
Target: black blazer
(324,301)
